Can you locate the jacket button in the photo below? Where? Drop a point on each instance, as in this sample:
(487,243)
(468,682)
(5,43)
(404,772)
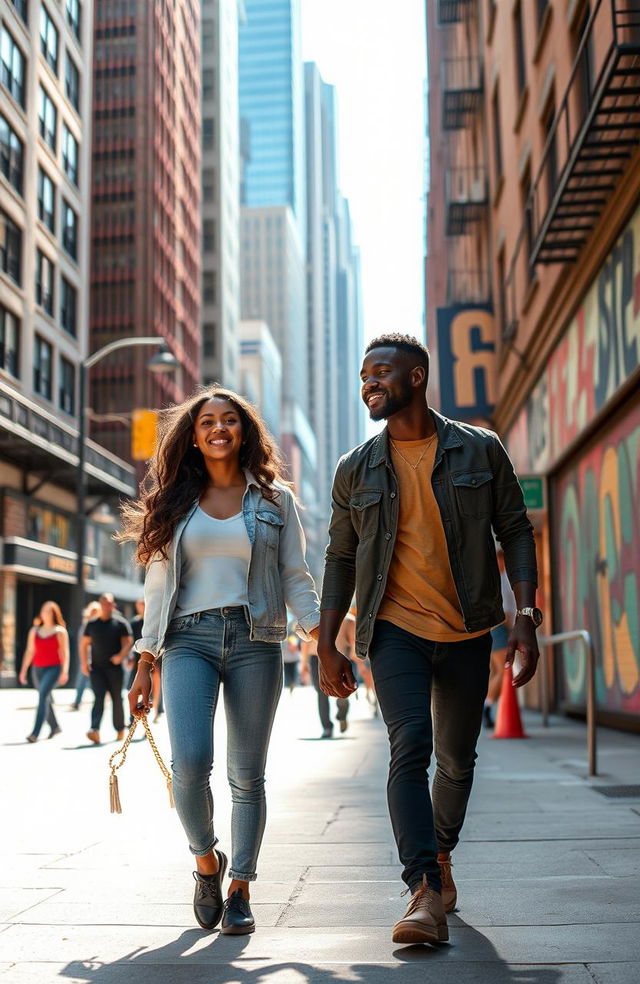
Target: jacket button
(387,536)
(370,614)
(393,495)
(379,578)
(474,481)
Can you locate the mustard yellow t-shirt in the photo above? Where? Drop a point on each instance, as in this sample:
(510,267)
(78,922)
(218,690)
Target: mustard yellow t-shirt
(421,595)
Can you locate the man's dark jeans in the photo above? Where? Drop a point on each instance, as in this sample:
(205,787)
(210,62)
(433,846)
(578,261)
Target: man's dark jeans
(107,679)
(414,678)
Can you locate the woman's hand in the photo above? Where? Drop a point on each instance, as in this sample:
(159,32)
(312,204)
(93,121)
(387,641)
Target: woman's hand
(23,677)
(63,678)
(140,693)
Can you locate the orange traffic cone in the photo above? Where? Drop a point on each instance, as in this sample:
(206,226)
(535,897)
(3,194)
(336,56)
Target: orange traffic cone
(508,723)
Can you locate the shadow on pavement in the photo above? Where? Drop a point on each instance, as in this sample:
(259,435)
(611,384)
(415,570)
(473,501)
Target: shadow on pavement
(467,959)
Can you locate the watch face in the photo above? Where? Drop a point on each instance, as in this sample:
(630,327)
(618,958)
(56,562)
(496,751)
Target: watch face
(537,617)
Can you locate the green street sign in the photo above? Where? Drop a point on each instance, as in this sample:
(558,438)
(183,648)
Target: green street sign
(533,490)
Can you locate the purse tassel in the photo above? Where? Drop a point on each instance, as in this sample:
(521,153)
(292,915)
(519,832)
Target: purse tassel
(170,788)
(114,795)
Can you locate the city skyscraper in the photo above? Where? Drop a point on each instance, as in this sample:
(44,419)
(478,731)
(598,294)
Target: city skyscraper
(45,174)
(333,294)
(220,315)
(145,235)
(272,105)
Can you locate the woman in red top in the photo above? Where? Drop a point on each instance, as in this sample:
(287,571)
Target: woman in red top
(48,651)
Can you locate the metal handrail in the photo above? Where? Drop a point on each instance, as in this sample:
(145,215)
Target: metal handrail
(584,637)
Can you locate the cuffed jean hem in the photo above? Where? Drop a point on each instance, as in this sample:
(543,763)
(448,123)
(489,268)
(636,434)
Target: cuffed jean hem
(241,875)
(203,854)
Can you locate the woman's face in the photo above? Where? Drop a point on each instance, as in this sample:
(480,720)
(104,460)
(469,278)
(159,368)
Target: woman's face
(47,614)
(218,430)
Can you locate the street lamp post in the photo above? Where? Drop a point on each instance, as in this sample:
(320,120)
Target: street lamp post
(163,361)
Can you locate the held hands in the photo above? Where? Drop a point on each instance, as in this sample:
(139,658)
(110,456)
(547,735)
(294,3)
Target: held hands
(140,693)
(336,674)
(523,639)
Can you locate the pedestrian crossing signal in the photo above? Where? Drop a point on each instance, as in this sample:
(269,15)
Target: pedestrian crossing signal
(144,434)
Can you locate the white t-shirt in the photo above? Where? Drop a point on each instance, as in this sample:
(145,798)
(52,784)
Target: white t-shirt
(215,563)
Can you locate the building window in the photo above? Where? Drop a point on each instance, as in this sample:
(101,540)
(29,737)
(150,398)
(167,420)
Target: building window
(12,67)
(74,16)
(208,184)
(551,159)
(208,83)
(11,155)
(42,359)
(521,63)
(525,191)
(9,341)
(70,154)
(497,133)
(67,387)
(209,286)
(72,82)
(208,133)
(10,248)
(46,200)
(48,119)
(209,235)
(45,273)
(541,8)
(21,7)
(585,72)
(49,39)
(69,230)
(68,307)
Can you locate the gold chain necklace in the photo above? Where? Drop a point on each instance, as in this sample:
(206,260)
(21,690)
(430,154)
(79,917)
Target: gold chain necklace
(406,460)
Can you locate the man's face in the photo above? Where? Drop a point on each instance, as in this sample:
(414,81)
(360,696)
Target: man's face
(386,382)
(107,606)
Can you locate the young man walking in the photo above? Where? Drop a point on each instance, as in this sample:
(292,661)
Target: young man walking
(108,637)
(414,512)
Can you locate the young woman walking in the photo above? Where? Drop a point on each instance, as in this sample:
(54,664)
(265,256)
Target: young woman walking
(48,651)
(219,534)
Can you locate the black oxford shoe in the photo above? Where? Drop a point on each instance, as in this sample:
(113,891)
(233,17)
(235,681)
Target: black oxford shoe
(207,898)
(237,918)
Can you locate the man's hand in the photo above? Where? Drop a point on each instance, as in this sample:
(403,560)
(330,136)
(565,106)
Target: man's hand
(84,666)
(116,660)
(523,639)
(336,674)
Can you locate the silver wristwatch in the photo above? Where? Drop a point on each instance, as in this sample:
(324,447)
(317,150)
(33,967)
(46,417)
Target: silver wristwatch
(533,613)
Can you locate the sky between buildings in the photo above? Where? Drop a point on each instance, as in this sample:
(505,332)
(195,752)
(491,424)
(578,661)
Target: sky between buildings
(373,52)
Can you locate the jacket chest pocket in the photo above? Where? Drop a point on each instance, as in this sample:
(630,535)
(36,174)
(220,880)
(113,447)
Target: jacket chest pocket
(268,528)
(365,513)
(473,493)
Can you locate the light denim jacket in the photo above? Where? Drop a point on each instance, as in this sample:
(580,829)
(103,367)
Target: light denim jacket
(278,574)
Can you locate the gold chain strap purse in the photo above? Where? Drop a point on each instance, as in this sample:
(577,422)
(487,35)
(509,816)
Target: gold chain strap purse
(114,765)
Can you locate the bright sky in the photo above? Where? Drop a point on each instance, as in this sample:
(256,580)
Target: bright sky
(374,53)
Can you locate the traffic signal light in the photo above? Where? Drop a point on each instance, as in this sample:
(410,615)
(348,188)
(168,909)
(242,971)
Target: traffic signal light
(144,434)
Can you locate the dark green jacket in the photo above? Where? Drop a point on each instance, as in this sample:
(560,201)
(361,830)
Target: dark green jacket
(477,492)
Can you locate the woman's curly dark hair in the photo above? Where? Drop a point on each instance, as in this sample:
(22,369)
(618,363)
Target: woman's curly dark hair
(177,477)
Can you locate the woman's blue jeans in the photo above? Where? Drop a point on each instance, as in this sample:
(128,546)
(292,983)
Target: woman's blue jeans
(46,677)
(201,652)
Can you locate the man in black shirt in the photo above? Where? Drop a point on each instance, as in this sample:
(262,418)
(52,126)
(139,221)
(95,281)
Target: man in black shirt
(109,637)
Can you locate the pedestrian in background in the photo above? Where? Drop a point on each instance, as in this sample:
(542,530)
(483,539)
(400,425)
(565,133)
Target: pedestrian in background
(82,679)
(344,643)
(107,639)
(48,652)
(414,511)
(291,660)
(499,645)
(219,533)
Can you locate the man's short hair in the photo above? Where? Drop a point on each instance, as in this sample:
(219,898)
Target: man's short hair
(406,343)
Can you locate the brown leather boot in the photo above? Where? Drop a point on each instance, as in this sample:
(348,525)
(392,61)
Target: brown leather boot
(449,890)
(425,920)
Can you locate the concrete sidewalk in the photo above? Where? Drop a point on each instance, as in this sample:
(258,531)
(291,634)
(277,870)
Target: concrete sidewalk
(547,870)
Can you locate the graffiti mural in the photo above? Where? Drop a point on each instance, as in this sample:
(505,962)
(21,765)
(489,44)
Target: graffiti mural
(598,566)
(597,354)
(467,361)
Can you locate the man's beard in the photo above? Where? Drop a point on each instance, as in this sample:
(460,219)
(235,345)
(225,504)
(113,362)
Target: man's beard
(392,404)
